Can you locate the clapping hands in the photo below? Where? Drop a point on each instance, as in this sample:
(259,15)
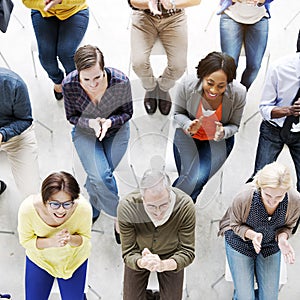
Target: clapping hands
(62,238)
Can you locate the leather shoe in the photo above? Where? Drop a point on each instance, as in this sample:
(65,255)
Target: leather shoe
(117,236)
(2,186)
(164,102)
(150,102)
(58,95)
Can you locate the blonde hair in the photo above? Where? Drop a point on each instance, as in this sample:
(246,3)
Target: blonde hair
(273,175)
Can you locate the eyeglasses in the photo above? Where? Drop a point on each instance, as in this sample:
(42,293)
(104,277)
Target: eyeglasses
(155,208)
(56,205)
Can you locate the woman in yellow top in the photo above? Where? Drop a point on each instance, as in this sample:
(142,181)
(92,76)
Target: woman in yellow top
(59,27)
(55,229)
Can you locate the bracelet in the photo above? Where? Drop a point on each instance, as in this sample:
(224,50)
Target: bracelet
(173,4)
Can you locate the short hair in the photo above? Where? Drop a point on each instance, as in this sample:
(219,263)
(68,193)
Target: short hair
(88,56)
(216,61)
(59,181)
(155,180)
(274,175)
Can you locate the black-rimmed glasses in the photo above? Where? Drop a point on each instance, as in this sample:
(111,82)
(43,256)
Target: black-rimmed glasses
(56,205)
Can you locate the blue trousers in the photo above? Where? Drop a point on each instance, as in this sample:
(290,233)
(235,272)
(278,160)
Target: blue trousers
(197,161)
(59,39)
(99,160)
(243,268)
(271,143)
(254,37)
(38,283)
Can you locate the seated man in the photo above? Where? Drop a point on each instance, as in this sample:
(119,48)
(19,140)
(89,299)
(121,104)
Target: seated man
(17,137)
(166,20)
(157,228)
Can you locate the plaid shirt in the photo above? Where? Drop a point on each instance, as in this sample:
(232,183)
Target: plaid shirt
(115,104)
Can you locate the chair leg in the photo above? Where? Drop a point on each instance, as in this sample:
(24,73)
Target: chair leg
(217,281)
(34,66)
(251,117)
(94,17)
(291,20)
(45,126)
(5,61)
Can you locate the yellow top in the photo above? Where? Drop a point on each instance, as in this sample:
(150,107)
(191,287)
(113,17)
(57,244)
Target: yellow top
(62,11)
(60,262)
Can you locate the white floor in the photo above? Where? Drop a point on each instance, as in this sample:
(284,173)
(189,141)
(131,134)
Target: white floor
(147,145)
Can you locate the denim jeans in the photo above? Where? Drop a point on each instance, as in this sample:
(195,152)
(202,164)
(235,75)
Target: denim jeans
(99,160)
(59,39)
(243,268)
(254,37)
(197,161)
(38,283)
(271,143)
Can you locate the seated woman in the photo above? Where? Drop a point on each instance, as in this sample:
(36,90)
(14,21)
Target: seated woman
(59,27)
(98,102)
(256,228)
(55,229)
(208,112)
(245,23)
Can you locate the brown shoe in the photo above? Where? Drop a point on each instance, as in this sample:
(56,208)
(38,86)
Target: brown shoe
(150,101)
(164,102)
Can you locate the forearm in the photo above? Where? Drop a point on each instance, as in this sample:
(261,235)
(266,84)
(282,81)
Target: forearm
(250,234)
(282,236)
(42,243)
(279,112)
(14,129)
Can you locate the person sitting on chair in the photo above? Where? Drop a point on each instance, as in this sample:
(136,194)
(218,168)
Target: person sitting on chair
(98,102)
(55,229)
(257,227)
(17,136)
(157,228)
(164,20)
(208,113)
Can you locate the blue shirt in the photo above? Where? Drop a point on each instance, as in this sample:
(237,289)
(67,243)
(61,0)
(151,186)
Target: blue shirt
(115,104)
(15,107)
(281,86)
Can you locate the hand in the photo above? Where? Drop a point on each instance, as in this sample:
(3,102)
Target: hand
(166,4)
(149,261)
(219,131)
(96,125)
(286,250)
(295,108)
(152,4)
(50,3)
(62,238)
(105,124)
(195,126)
(256,241)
